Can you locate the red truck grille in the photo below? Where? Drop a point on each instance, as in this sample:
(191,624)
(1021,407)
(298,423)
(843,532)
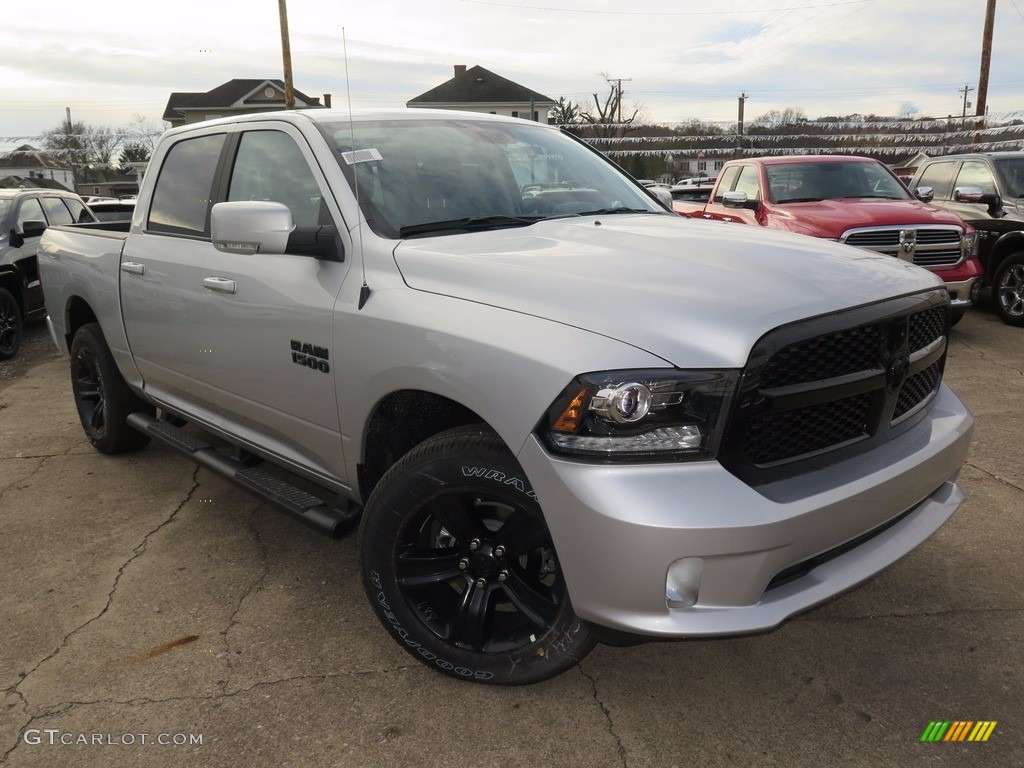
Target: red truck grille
(817,391)
(925,246)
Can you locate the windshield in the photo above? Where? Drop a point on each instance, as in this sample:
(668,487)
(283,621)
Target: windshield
(4,205)
(430,177)
(801,182)
(1011,170)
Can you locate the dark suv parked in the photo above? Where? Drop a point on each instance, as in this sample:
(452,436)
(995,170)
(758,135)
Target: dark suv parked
(987,191)
(24,214)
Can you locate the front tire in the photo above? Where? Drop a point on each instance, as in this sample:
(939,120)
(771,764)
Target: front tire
(10,325)
(460,568)
(956,316)
(1008,289)
(102,397)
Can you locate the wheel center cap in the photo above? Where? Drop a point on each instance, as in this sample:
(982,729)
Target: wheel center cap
(484,562)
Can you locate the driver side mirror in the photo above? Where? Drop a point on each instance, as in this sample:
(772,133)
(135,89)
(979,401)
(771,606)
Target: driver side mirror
(736,199)
(924,194)
(978,195)
(31,228)
(662,195)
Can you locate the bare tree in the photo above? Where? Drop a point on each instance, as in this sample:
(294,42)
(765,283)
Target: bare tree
(773,118)
(101,142)
(141,130)
(907,110)
(605,115)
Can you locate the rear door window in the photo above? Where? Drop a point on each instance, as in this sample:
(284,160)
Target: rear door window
(56,211)
(78,210)
(183,194)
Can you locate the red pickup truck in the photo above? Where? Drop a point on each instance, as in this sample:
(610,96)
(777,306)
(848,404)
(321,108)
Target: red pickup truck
(854,200)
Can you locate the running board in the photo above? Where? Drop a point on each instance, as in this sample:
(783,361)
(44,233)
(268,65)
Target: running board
(318,514)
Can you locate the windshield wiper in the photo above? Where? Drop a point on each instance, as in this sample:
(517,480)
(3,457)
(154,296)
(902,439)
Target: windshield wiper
(619,209)
(801,200)
(468,224)
(878,197)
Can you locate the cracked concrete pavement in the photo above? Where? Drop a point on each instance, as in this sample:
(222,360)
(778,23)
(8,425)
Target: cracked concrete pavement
(146,596)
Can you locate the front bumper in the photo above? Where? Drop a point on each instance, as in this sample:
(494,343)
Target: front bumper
(618,529)
(960,281)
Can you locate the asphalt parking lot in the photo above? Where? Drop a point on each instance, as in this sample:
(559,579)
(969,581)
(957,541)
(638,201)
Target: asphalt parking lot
(147,606)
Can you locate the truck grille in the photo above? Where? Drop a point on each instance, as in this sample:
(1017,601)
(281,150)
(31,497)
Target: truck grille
(925,246)
(836,385)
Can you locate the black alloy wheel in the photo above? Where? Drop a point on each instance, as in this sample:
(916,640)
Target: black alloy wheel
(1008,289)
(10,325)
(460,566)
(102,397)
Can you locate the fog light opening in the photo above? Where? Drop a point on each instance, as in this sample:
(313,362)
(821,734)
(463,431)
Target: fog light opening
(682,584)
(976,291)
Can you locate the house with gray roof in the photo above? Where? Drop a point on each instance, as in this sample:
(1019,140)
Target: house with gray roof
(27,162)
(479,90)
(235,97)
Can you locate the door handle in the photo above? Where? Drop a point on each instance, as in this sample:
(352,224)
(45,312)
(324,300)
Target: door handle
(707,216)
(133,268)
(219,284)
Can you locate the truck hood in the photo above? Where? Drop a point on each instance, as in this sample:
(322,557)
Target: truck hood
(831,218)
(697,294)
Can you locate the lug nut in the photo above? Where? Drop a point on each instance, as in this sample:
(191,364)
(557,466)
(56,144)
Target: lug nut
(481,583)
(503,576)
(463,564)
(474,544)
(499,551)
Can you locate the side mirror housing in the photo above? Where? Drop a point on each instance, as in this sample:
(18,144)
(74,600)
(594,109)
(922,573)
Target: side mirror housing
(736,199)
(33,228)
(251,226)
(662,195)
(924,194)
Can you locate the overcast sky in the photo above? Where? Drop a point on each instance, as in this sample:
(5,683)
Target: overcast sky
(108,61)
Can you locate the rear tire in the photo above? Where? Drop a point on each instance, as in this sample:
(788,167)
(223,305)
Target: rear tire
(460,568)
(102,397)
(1008,289)
(10,325)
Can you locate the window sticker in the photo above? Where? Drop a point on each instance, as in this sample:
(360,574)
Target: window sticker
(361,156)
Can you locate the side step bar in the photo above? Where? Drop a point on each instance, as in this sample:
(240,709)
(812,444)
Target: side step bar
(305,507)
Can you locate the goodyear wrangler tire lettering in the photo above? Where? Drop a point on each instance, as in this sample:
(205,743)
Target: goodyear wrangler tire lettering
(497,611)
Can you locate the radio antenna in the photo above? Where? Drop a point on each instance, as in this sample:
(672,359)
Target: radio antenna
(364,289)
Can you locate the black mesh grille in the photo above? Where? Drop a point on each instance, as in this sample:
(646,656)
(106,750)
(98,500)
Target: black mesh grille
(917,388)
(784,435)
(822,389)
(926,327)
(824,357)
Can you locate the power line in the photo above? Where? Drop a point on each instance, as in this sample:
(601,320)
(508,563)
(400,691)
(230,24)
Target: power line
(744,12)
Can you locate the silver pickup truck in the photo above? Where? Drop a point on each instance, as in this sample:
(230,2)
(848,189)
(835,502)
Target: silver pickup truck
(556,412)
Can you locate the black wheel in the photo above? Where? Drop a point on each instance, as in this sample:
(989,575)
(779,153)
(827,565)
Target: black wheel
(102,397)
(460,568)
(10,325)
(1008,289)
(956,316)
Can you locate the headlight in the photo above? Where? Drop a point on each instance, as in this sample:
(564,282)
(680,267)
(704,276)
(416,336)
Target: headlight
(651,415)
(971,243)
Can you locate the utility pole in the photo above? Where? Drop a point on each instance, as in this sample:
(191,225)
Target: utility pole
(986,57)
(965,90)
(286,54)
(618,92)
(739,123)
